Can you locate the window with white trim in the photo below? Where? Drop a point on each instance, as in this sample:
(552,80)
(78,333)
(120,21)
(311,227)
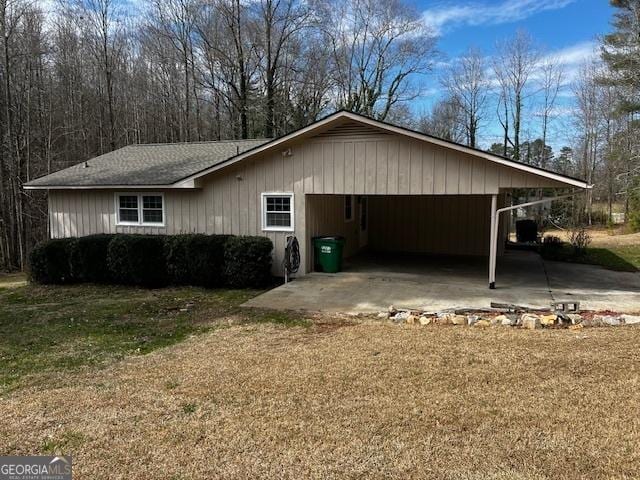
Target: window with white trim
(140,209)
(277,212)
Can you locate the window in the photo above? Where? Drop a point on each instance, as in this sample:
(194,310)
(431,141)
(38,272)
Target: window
(277,212)
(348,208)
(140,209)
(151,209)
(128,209)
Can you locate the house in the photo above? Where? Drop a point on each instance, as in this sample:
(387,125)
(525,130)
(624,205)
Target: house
(380,186)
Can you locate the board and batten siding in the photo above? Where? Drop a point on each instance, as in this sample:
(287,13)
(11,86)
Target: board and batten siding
(456,225)
(361,161)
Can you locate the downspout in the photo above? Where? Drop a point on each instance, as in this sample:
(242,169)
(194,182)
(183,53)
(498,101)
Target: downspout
(493,235)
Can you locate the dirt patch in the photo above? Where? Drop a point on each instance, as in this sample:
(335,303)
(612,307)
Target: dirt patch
(369,401)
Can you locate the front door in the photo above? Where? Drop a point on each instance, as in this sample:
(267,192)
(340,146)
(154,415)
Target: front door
(363,233)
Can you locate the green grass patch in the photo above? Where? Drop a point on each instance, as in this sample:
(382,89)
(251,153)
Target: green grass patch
(623,259)
(12,280)
(50,330)
(189,408)
(67,440)
(277,317)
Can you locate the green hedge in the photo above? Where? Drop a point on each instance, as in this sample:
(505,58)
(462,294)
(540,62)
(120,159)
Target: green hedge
(89,259)
(155,260)
(206,260)
(50,262)
(137,260)
(248,261)
(196,259)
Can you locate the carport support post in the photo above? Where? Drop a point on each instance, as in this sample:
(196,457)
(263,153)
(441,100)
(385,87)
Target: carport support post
(493,241)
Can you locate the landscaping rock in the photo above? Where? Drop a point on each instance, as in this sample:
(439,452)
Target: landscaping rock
(530,321)
(610,320)
(424,320)
(548,320)
(400,317)
(631,319)
(499,318)
(459,320)
(445,319)
(504,321)
(392,310)
(472,319)
(411,319)
(595,321)
(482,323)
(383,315)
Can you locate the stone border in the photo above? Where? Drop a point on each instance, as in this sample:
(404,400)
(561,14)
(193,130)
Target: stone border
(526,320)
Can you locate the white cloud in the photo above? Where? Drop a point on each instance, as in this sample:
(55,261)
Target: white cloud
(448,16)
(573,57)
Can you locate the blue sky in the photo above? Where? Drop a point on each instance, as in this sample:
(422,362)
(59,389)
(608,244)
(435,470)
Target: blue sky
(565,29)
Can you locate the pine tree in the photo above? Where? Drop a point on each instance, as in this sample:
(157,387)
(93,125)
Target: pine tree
(621,53)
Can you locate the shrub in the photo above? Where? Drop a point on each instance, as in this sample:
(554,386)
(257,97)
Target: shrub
(580,239)
(550,245)
(50,261)
(137,260)
(248,261)
(634,221)
(196,259)
(89,258)
(206,254)
(552,241)
(175,251)
(155,260)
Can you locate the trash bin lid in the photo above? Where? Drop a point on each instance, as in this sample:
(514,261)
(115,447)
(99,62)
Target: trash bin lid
(335,238)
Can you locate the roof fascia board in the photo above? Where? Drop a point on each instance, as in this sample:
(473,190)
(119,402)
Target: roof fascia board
(472,151)
(183,184)
(399,131)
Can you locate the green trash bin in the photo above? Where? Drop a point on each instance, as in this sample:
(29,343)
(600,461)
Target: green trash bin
(328,254)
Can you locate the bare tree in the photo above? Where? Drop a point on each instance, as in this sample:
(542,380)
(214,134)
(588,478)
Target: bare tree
(228,34)
(174,22)
(377,47)
(587,120)
(551,73)
(279,22)
(514,64)
(467,83)
(444,121)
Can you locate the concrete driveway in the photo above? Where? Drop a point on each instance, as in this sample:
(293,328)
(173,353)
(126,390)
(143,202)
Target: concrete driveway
(372,283)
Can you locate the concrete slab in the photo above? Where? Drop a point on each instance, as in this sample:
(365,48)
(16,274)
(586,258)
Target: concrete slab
(372,283)
(595,287)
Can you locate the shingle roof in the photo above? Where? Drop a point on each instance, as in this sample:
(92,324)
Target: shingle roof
(147,164)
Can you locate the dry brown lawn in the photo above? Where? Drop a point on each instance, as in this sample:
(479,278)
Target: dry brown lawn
(347,400)
(601,237)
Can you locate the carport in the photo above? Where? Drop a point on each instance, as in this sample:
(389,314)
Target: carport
(390,190)
(415,225)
